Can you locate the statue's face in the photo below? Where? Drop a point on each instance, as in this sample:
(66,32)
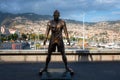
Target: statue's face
(56,16)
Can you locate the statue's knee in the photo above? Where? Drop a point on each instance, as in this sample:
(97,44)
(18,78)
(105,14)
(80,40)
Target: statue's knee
(48,57)
(64,57)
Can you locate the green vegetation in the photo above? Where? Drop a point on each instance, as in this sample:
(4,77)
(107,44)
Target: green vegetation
(14,37)
(9,37)
(24,36)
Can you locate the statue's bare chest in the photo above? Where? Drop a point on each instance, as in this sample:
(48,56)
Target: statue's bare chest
(56,26)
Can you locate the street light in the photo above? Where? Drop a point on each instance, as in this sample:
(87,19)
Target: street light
(0,35)
(83,31)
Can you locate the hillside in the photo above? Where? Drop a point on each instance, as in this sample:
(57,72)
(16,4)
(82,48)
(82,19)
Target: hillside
(8,18)
(34,23)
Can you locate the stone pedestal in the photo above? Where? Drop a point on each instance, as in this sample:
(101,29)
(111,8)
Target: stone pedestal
(56,74)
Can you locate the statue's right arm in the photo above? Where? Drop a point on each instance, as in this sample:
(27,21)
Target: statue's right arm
(47,32)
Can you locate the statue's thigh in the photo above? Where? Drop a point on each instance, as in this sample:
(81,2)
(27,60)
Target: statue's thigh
(51,48)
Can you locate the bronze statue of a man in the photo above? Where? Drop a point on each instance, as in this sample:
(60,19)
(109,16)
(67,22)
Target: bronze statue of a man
(56,26)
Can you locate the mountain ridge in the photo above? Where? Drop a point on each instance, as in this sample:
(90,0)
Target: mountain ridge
(37,17)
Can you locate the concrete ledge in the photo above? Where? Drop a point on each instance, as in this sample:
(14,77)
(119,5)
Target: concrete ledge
(76,55)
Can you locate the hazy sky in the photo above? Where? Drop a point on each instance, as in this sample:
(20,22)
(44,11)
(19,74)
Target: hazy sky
(93,10)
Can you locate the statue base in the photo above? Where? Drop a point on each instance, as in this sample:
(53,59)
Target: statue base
(56,74)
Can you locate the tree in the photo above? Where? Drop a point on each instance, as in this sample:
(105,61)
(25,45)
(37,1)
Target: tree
(72,38)
(10,37)
(33,36)
(41,36)
(24,36)
(15,36)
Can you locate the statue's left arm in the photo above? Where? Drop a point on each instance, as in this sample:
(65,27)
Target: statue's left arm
(66,32)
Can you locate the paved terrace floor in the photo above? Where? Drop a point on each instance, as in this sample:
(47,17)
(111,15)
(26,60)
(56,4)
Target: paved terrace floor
(83,70)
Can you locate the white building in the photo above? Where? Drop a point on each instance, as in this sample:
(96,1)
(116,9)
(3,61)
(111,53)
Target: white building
(7,31)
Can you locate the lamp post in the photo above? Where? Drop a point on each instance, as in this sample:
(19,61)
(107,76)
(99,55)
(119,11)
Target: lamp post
(83,31)
(0,35)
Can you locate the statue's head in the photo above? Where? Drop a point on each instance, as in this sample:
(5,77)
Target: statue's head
(56,15)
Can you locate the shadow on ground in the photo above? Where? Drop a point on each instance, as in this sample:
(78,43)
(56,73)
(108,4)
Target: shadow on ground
(83,70)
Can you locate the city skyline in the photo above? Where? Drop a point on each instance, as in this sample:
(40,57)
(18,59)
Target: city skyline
(93,10)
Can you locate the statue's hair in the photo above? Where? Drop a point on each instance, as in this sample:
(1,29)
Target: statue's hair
(56,12)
